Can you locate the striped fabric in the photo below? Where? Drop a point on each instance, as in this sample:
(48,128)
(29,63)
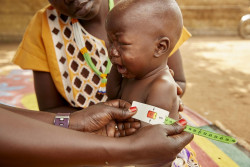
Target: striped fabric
(210,153)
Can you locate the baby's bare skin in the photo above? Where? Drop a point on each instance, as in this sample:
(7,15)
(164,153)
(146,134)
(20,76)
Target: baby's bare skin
(140,42)
(158,90)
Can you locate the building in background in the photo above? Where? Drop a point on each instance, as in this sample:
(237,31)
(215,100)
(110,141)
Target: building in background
(201,17)
(15,16)
(214,17)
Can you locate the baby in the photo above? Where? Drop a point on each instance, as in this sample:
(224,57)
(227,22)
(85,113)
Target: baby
(142,34)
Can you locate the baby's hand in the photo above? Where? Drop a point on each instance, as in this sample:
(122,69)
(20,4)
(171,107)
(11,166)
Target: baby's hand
(181,105)
(179,93)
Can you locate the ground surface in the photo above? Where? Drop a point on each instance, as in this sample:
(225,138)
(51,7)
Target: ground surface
(218,75)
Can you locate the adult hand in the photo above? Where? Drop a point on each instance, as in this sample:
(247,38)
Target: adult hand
(124,127)
(168,141)
(101,119)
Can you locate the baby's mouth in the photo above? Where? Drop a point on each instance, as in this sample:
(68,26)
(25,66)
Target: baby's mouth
(121,69)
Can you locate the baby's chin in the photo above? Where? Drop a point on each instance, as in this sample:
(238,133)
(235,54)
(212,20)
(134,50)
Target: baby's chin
(128,76)
(124,72)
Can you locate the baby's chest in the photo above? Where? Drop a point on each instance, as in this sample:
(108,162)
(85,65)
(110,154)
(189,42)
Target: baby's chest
(135,91)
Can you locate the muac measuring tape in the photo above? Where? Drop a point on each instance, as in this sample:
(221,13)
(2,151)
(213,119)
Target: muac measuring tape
(204,133)
(153,115)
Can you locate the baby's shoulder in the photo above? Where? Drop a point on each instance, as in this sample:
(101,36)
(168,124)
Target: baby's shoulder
(163,86)
(163,92)
(164,81)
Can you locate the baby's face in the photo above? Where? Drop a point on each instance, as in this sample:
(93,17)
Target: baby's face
(80,9)
(131,45)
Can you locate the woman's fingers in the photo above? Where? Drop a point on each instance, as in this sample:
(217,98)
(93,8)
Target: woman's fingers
(125,132)
(111,128)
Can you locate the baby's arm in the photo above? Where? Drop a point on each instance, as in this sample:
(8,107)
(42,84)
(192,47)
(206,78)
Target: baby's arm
(114,83)
(163,94)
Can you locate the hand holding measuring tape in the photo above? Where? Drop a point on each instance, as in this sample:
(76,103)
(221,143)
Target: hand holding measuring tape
(154,115)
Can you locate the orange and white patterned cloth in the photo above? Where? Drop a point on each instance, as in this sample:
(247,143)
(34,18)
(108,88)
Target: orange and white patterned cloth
(48,45)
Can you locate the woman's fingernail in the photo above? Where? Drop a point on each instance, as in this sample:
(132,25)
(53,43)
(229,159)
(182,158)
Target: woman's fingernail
(133,109)
(182,122)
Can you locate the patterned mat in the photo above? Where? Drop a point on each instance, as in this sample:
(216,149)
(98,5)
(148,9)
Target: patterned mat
(16,88)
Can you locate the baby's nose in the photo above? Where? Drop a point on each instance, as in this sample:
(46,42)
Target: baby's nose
(114,52)
(81,1)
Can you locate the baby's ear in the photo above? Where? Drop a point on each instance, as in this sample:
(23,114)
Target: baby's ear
(162,46)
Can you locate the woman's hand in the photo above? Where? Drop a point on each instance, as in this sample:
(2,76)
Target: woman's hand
(167,142)
(106,119)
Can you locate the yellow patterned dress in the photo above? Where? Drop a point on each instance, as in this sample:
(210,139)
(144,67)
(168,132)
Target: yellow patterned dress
(49,45)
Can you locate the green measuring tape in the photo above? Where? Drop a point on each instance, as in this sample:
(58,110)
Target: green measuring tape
(153,115)
(204,133)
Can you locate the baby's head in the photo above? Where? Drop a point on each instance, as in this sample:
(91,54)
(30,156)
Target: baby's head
(80,9)
(142,34)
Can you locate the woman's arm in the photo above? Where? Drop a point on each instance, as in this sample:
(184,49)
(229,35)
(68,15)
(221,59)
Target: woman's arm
(96,118)
(48,97)
(114,83)
(38,115)
(28,142)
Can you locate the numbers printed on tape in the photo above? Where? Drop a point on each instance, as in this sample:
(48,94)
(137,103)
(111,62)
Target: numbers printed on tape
(154,115)
(204,133)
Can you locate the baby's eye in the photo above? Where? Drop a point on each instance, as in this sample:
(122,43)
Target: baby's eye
(124,43)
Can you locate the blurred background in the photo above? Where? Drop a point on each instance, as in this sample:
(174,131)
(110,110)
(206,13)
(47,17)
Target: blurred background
(201,17)
(216,58)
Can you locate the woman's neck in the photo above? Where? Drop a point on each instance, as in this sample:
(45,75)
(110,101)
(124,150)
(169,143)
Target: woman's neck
(100,17)
(96,26)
